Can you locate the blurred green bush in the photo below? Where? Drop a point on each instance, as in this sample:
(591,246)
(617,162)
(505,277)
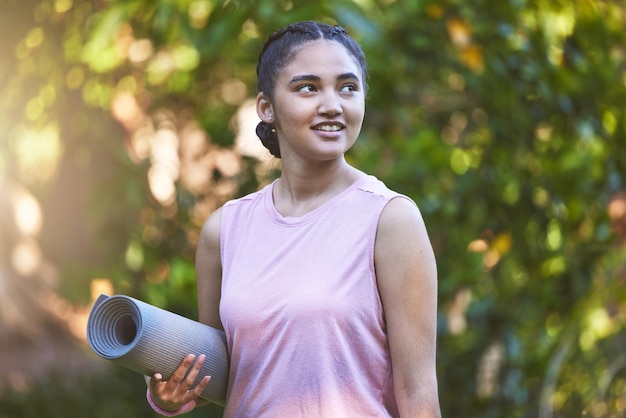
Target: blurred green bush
(505,121)
(114,392)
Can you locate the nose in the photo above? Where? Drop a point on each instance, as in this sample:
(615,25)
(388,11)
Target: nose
(330,104)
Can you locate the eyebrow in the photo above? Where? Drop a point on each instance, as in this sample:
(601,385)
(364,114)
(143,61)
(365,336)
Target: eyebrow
(311,77)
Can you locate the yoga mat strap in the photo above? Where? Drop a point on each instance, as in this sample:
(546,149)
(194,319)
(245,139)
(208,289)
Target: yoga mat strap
(148,339)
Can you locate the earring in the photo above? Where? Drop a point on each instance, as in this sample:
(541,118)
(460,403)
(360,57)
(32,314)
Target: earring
(270,118)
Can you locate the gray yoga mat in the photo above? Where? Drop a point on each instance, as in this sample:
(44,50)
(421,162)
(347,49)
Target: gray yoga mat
(147,339)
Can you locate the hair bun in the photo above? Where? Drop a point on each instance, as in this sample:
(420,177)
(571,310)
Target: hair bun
(269,139)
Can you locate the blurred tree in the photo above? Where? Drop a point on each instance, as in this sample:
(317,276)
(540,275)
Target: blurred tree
(127,121)
(35,334)
(510,135)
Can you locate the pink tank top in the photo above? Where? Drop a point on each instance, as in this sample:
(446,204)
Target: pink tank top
(301,309)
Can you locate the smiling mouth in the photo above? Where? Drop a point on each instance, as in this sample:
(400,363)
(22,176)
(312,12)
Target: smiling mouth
(328,127)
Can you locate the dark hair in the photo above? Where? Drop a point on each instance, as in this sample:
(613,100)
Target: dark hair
(278,52)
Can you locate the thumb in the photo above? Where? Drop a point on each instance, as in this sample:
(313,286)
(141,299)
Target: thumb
(155,380)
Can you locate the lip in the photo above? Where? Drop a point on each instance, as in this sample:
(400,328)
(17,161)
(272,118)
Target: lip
(329,127)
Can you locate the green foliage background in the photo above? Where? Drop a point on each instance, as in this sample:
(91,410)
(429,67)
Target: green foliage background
(505,121)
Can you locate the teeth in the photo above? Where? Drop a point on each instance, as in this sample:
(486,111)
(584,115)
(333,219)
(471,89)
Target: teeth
(328,128)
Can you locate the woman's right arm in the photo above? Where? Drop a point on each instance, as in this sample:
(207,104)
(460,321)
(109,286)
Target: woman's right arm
(209,271)
(178,391)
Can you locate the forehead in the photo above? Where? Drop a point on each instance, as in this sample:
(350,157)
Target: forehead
(322,57)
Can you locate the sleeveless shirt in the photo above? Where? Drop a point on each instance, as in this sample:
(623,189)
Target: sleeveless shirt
(301,309)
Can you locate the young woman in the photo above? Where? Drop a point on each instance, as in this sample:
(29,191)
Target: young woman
(325,280)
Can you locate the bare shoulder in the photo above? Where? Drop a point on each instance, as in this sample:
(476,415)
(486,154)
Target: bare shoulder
(210,233)
(401,220)
(403,254)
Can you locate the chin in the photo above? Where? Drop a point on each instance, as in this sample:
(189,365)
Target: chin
(333,153)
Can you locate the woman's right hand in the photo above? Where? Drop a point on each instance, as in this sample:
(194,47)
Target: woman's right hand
(172,394)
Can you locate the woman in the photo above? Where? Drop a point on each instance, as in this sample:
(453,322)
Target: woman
(325,280)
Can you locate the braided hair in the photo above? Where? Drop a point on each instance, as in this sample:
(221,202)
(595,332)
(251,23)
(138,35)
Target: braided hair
(278,52)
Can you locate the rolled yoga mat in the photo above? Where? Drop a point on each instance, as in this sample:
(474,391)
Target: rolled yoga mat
(147,339)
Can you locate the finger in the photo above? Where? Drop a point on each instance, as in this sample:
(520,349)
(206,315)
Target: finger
(193,372)
(197,391)
(179,374)
(155,379)
(155,385)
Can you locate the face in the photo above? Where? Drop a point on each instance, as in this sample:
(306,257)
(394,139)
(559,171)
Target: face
(318,103)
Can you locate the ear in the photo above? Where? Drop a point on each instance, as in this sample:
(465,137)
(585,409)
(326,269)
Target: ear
(264,108)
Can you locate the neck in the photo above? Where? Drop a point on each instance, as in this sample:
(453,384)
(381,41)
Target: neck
(300,191)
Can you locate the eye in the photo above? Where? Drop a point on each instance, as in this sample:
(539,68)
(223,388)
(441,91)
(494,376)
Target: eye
(306,88)
(349,88)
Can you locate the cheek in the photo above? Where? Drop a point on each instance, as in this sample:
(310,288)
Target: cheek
(292,112)
(297,112)
(357,114)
